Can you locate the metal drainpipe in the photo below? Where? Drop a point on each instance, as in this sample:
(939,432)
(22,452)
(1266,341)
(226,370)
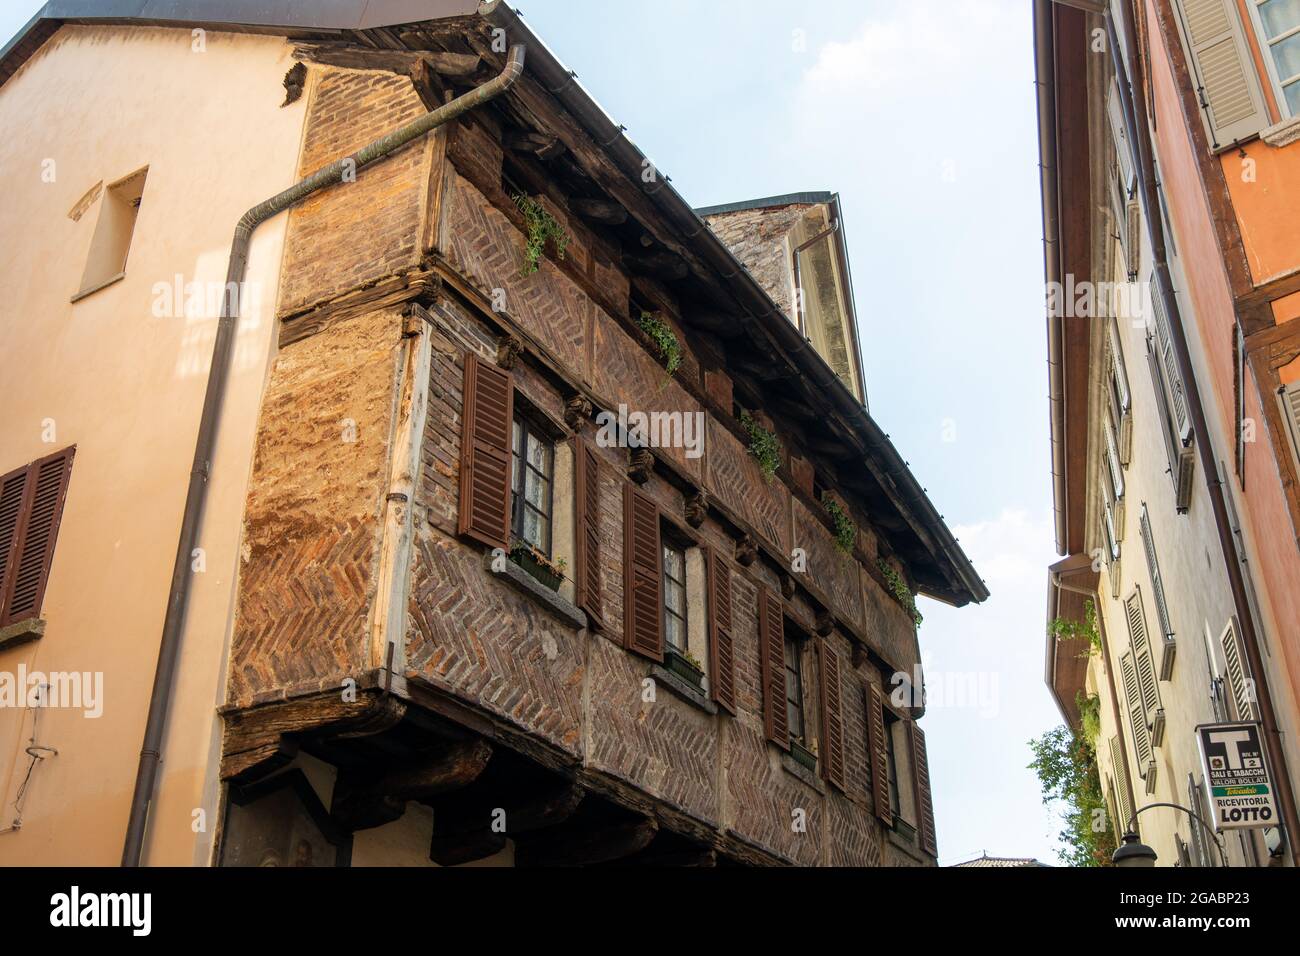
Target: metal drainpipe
(1135,109)
(218,374)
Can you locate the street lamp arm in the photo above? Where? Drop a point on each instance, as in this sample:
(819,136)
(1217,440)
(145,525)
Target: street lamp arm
(1223,853)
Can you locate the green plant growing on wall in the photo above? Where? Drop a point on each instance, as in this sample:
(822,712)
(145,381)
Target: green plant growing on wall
(1086,630)
(670,350)
(1090,717)
(542,227)
(846,532)
(901,592)
(1066,765)
(764,447)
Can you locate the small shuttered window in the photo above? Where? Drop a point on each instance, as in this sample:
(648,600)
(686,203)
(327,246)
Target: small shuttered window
(1142,751)
(1171,400)
(31,507)
(879,753)
(1240,684)
(1123,787)
(771,660)
(587,566)
(1222,69)
(832,716)
(1119,135)
(485,453)
(642,575)
(1157,582)
(722,655)
(924,800)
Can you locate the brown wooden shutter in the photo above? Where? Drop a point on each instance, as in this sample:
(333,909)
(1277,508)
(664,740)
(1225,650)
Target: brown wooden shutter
(643,601)
(487,412)
(924,801)
(31,506)
(722,663)
(586,467)
(832,716)
(879,760)
(771,659)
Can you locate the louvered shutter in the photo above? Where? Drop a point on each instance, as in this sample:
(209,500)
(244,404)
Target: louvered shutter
(1238,678)
(879,759)
(1142,659)
(722,662)
(587,532)
(31,507)
(1122,784)
(924,800)
(832,716)
(487,412)
(1223,71)
(643,601)
(771,659)
(1157,583)
(1169,364)
(1289,398)
(1137,717)
(1119,133)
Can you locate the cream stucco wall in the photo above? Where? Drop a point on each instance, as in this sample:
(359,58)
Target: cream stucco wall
(1195,583)
(126,387)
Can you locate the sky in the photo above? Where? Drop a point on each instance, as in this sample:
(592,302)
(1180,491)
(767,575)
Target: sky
(921,115)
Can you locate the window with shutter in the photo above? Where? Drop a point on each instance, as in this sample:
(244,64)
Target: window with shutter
(31,507)
(587,568)
(878,752)
(1121,399)
(485,453)
(1228,89)
(1168,647)
(771,659)
(1289,400)
(722,662)
(1170,400)
(832,716)
(642,575)
(1202,855)
(1119,135)
(1144,663)
(924,800)
(1142,751)
(1124,789)
(1239,681)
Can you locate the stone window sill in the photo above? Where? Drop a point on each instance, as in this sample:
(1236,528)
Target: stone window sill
(524,582)
(802,773)
(1282,134)
(21,632)
(97,286)
(683,688)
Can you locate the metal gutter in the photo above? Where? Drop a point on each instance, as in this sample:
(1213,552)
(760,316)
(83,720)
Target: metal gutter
(218,375)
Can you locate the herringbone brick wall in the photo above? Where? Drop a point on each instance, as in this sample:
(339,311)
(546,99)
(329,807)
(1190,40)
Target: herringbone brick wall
(313,514)
(755,237)
(358,231)
(311,526)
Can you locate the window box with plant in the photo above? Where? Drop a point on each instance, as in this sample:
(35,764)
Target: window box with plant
(803,756)
(684,664)
(547,572)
